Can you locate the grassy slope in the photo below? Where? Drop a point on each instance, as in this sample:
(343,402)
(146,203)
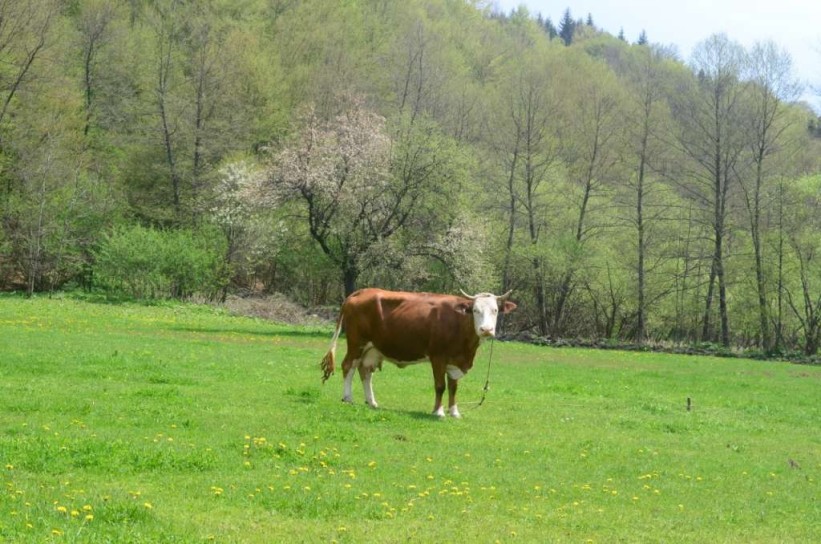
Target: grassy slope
(181,424)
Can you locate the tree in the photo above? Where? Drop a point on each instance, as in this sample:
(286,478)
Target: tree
(648,82)
(643,38)
(566,27)
(804,296)
(550,28)
(589,151)
(527,149)
(93,23)
(770,85)
(359,187)
(25,28)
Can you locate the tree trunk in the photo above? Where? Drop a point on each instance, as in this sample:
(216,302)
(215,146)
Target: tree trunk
(350,276)
(640,326)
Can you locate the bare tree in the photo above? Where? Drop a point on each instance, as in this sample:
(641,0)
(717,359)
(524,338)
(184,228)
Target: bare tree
(24,31)
(711,138)
(93,23)
(589,150)
(770,87)
(165,25)
(644,125)
(525,142)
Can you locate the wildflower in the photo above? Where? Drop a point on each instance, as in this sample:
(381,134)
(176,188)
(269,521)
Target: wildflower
(9,467)
(62,509)
(75,513)
(56,532)
(89,517)
(87,508)
(148,505)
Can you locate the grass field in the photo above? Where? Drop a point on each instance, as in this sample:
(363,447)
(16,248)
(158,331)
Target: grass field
(129,423)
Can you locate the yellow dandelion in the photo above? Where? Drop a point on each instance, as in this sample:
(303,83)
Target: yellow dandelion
(75,513)
(87,508)
(89,517)
(56,532)
(62,509)
(148,505)
(372,464)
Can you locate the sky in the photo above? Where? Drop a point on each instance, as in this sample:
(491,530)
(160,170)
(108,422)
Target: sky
(794,25)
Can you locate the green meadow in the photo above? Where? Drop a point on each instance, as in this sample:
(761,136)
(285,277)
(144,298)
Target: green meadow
(181,423)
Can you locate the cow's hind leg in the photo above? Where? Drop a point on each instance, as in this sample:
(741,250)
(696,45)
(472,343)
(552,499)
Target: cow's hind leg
(349,365)
(439,388)
(371,359)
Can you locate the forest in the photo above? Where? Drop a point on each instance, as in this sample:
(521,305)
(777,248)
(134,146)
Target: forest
(192,150)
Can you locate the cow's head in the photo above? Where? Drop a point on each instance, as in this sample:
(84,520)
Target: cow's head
(485,308)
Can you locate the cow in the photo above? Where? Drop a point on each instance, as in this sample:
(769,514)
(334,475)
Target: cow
(410,328)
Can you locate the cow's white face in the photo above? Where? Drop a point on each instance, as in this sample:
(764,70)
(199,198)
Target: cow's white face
(485,312)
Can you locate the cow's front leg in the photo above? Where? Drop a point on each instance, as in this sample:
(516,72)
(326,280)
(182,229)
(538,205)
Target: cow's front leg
(439,388)
(453,410)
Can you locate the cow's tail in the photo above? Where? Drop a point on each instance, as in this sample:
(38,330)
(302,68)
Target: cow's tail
(327,364)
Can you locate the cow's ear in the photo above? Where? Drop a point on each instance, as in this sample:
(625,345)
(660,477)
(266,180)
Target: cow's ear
(508,307)
(465,307)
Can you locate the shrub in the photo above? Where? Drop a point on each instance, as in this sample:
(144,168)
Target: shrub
(148,263)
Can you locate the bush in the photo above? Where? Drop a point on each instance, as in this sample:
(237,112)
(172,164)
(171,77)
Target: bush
(148,263)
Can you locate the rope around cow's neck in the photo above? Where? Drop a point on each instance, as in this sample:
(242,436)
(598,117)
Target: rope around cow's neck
(487,377)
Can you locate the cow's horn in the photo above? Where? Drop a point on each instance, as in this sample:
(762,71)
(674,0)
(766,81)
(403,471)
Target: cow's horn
(502,298)
(467,295)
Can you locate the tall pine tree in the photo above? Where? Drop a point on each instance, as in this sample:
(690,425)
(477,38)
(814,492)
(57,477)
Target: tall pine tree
(566,27)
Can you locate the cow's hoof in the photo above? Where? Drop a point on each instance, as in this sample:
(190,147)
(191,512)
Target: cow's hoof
(440,413)
(374,405)
(347,400)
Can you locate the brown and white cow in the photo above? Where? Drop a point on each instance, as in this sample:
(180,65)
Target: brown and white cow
(410,328)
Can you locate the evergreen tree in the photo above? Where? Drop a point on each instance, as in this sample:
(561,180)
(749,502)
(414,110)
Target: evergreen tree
(566,27)
(643,38)
(550,28)
(621,34)
(590,20)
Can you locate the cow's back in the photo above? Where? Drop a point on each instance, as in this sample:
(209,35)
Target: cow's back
(405,326)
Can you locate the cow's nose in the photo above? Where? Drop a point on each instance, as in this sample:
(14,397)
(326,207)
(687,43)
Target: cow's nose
(486,331)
